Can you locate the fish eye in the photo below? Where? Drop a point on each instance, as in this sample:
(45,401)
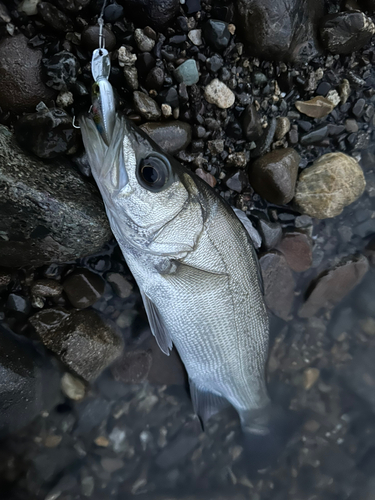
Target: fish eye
(153,173)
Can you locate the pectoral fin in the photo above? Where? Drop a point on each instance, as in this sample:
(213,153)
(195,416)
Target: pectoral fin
(157,325)
(205,403)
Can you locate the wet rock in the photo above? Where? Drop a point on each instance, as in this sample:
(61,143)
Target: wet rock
(47,133)
(278,284)
(237,181)
(83,288)
(144,43)
(297,250)
(80,339)
(214,63)
(206,176)
(133,367)
(28,7)
(113,12)
(346,32)
(310,377)
(251,125)
(271,233)
(155,79)
(156,13)
(216,34)
(351,126)
(359,107)
(37,229)
(28,382)
(18,305)
(171,136)
(359,376)
(282,127)
(187,73)
(61,70)
(218,93)
(265,141)
(315,136)
(333,285)
(334,181)
(72,5)
(72,387)
(121,286)
(318,107)
(146,106)
(21,81)
(54,18)
(195,36)
(90,37)
(46,288)
(280,30)
(274,175)
(168,96)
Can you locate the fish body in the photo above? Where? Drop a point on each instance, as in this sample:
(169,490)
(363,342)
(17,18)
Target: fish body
(195,266)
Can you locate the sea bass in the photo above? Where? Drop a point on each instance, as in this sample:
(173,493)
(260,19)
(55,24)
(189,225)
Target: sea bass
(195,266)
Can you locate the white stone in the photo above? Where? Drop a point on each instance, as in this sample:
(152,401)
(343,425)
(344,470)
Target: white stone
(218,93)
(64,99)
(166,110)
(334,97)
(125,57)
(195,36)
(145,43)
(72,387)
(29,7)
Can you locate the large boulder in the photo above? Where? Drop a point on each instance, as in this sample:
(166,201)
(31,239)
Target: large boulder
(48,213)
(280,30)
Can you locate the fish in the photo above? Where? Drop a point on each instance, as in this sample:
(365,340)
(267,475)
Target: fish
(195,266)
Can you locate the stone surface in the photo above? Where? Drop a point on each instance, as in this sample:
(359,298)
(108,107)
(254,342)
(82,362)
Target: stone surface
(187,73)
(80,339)
(47,133)
(315,136)
(251,125)
(133,367)
(271,233)
(171,136)
(83,288)
(37,229)
(21,81)
(216,34)
(282,127)
(333,285)
(334,181)
(280,30)
(318,107)
(46,288)
(90,37)
(155,79)
(346,32)
(156,13)
(218,93)
(61,70)
(297,250)
(72,387)
(274,175)
(144,43)
(121,286)
(54,18)
(279,284)
(237,181)
(146,106)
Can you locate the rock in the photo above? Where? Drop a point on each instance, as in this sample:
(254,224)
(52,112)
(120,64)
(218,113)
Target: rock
(278,284)
(216,34)
(72,387)
(166,110)
(83,288)
(64,99)
(80,339)
(54,18)
(21,76)
(156,13)
(351,126)
(280,30)
(274,175)
(171,136)
(47,133)
(177,450)
(251,125)
(121,286)
(28,382)
(315,136)
(271,233)
(90,37)
(236,160)
(318,107)
(297,250)
(345,90)
(218,93)
(346,32)
(333,285)
(146,106)
(37,229)
(131,77)
(195,36)
(265,141)
(237,181)
(194,6)
(113,12)
(359,108)
(282,127)
(133,367)
(18,305)
(310,377)
(72,5)
(187,73)
(46,288)
(214,63)
(359,376)
(155,79)
(206,176)
(168,96)
(61,70)
(144,43)
(28,7)
(333,182)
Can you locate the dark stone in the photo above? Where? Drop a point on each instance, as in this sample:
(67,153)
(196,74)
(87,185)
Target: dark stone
(48,133)
(177,39)
(156,13)
(18,304)
(83,288)
(67,224)
(274,175)
(316,136)
(80,338)
(113,12)
(359,108)
(91,413)
(359,376)
(145,63)
(265,141)
(133,367)
(155,79)
(346,32)
(90,37)
(72,5)
(177,450)
(271,233)
(121,286)
(169,96)
(280,30)
(342,322)
(216,34)
(193,6)
(323,88)
(61,70)
(334,462)
(146,106)
(171,136)
(47,465)
(46,288)
(21,81)
(252,128)
(52,16)
(214,63)
(259,79)
(28,382)
(237,181)
(297,250)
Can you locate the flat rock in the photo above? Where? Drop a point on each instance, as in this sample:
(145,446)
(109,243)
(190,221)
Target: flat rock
(218,93)
(280,30)
(274,175)
(37,229)
(279,284)
(83,288)
(318,107)
(80,339)
(171,136)
(297,250)
(21,81)
(333,285)
(333,182)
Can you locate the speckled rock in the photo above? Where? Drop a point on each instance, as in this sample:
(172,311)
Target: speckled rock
(80,339)
(333,182)
(21,80)
(37,229)
(333,285)
(61,70)
(171,136)
(218,93)
(83,288)
(146,106)
(46,288)
(274,175)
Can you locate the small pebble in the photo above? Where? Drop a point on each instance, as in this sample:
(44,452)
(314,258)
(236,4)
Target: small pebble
(282,127)
(318,107)
(144,43)
(218,93)
(187,73)
(72,387)
(310,377)
(195,36)
(146,106)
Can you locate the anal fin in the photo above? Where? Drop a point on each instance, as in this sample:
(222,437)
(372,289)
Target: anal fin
(206,403)
(157,325)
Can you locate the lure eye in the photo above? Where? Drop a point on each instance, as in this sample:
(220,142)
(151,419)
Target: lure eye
(153,173)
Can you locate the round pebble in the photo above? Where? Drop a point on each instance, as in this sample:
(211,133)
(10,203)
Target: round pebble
(218,93)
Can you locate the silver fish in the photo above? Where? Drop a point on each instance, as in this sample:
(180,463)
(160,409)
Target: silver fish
(195,266)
